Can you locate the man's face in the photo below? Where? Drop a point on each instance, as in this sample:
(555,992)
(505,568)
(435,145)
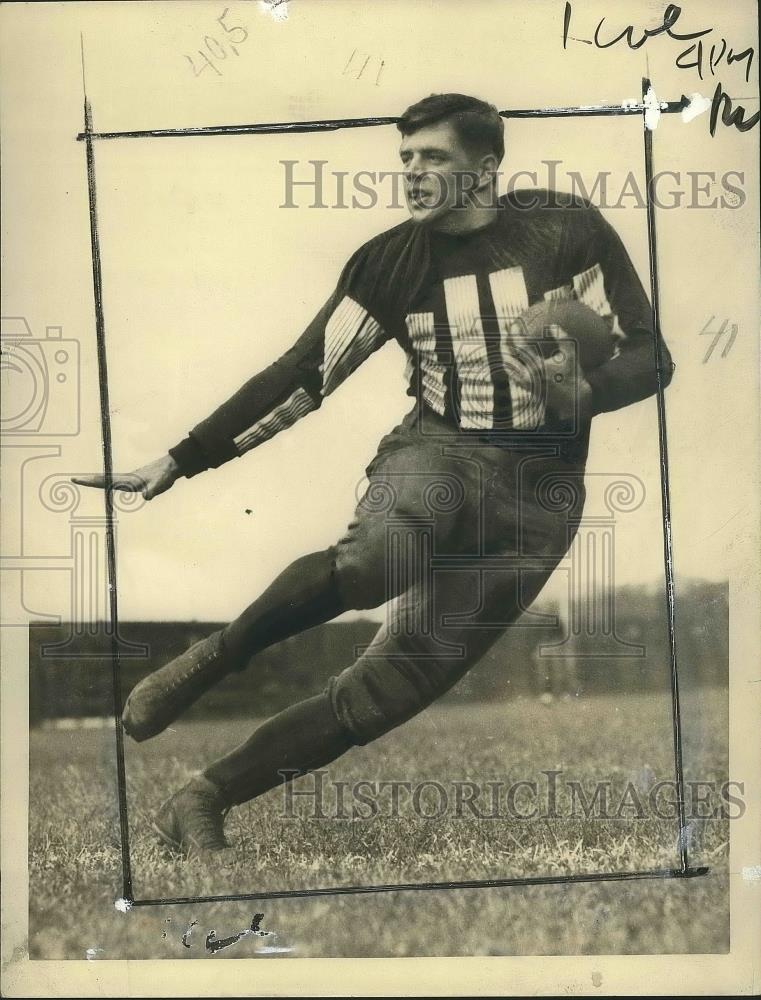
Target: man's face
(438,172)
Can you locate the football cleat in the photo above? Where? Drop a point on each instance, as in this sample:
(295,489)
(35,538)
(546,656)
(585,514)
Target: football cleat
(165,694)
(191,821)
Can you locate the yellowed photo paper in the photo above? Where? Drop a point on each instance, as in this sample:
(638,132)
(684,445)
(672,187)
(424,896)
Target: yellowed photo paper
(380,452)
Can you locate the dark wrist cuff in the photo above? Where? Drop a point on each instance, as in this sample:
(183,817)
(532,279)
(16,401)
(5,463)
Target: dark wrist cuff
(189,456)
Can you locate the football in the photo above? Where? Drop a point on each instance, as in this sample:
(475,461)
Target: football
(549,322)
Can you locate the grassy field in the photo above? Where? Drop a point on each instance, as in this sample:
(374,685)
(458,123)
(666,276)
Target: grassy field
(75,859)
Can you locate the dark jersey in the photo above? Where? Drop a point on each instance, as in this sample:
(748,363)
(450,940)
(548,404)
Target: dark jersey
(451,301)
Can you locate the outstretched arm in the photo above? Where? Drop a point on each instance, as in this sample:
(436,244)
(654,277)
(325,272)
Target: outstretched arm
(340,337)
(336,342)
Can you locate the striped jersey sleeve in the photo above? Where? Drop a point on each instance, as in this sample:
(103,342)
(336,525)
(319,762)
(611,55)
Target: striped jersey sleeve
(342,335)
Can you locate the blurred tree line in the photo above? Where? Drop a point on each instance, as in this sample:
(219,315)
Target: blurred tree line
(70,675)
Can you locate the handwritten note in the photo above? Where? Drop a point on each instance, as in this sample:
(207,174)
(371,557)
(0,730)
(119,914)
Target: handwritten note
(717,336)
(213,51)
(702,54)
(358,63)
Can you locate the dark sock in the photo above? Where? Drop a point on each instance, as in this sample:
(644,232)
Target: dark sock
(304,595)
(301,739)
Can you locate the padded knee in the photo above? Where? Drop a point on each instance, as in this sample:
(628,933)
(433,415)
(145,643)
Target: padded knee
(373,696)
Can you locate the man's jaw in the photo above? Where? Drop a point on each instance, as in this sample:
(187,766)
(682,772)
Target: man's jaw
(425,207)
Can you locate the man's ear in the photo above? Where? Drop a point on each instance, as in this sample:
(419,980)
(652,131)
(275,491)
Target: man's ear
(487,170)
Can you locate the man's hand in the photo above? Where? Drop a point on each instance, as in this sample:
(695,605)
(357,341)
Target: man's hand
(150,480)
(567,387)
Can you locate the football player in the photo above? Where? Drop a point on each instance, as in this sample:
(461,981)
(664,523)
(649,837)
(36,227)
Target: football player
(522,318)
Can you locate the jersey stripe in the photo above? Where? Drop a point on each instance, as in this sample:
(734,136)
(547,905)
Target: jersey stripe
(525,369)
(471,355)
(522,361)
(562,294)
(589,287)
(445,355)
(508,289)
(296,406)
(429,369)
(351,336)
(502,410)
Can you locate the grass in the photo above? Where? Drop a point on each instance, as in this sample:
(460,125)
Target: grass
(75,857)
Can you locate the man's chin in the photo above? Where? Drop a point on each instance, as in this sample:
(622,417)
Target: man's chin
(423,216)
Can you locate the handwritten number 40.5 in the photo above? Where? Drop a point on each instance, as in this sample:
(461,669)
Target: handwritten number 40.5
(235,35)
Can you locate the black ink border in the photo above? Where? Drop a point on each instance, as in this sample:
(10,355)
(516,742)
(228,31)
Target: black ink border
(89,137)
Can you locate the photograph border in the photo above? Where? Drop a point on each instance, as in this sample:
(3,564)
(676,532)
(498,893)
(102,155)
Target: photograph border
(649,104)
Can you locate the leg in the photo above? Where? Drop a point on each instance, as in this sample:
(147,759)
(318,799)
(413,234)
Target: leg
(400,674)
(304,595)
(405,670)
(314,589)
(300,739)
(443,623)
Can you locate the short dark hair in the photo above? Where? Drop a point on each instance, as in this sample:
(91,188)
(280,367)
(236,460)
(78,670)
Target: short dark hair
(479,125)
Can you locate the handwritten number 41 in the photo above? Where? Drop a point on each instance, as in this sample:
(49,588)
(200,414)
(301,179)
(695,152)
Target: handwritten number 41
(717,335)
(234,35)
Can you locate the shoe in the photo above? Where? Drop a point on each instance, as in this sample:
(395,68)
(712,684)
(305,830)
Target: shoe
(192,820)
(165,694)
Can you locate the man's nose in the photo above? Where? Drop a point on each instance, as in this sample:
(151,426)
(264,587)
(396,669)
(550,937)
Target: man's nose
(413,168)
